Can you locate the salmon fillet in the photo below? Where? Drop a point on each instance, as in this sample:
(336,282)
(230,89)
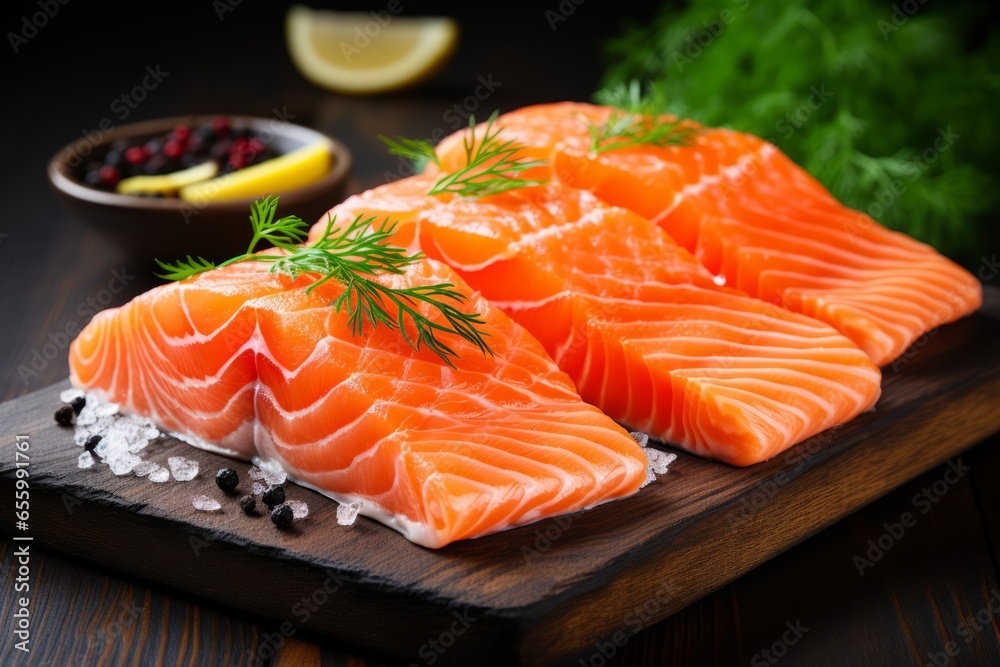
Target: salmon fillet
(641,328)
(242,361)
(751,215)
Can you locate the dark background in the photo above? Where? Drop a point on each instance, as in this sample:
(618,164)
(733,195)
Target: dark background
(63,82)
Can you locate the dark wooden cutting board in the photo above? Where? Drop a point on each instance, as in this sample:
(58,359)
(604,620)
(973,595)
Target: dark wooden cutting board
(559,591)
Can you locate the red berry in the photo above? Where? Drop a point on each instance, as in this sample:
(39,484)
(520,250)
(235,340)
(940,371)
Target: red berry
(109,175)
(172,150)
(221,125)
(237,161)
(182,133)
(254,147)
(135,155)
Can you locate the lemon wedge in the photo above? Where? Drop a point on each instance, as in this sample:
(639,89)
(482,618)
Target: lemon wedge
(367,53)
(166,184)
(275,176)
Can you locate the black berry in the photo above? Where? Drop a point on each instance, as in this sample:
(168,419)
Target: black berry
(227,479)
(78,403)
(274,495)
(92,443)
(64,417)
(282,516)
(248,504)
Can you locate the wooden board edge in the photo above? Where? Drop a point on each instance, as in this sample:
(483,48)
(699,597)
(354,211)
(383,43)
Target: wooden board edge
(559,634)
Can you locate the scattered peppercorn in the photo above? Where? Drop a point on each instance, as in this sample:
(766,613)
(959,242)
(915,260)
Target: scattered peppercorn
(92,443)
(227,479)
(249,505)
(78,403)
(64,417)
(274,495)
(282,516)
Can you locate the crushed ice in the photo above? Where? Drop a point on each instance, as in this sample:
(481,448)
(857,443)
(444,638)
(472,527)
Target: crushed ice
(657,462)
(183,470)
(346,514)
(300,510)
(205,504)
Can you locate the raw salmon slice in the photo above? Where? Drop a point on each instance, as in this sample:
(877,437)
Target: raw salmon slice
(242,361)
(636,322)
(751,215)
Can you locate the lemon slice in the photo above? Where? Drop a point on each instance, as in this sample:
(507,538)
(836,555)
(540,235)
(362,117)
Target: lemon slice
(367,53)
(275,176)
(166,183)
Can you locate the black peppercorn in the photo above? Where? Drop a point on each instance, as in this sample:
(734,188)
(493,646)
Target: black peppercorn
(274,495)
(92,443)
(64,415)
(282,516)
(227,479)
(78,403)
(248,504)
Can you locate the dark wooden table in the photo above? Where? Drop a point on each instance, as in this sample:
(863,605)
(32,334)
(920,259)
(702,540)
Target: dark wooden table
(923,601)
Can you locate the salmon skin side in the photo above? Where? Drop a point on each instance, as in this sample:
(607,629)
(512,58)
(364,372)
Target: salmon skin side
(641,328)
(751,215)
(241,361)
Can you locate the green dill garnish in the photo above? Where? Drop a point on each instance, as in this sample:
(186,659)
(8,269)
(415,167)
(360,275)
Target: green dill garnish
(896,120)
(637,123)
(417,151)
(351,255)
(491,165)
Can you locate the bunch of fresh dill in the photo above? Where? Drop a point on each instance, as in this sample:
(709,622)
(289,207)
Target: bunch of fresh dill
(888,109)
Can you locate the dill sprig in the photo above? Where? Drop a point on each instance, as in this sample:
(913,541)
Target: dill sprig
(282,233)
(491,166)
(417,151)
(352,255)
(639,121)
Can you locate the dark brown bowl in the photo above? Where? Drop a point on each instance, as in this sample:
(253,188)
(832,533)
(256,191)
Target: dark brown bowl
(168,228)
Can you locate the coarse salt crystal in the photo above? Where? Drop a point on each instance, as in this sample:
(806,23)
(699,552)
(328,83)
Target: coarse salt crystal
(660,461)
(273,473)
(144,468)
(124,463)
(70,395)
(641,439)
(85,460)
(205,504)
(258,488)
(159,475)
(300,510)
(183,470)
(106,409)
(347,514)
